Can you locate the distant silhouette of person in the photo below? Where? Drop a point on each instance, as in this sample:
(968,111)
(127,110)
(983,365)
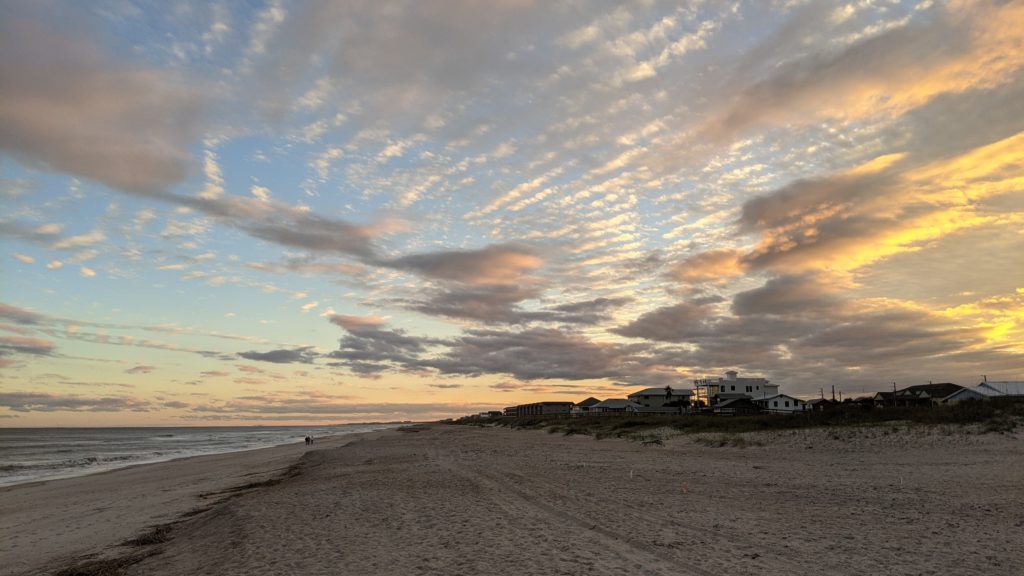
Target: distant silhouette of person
(308,440)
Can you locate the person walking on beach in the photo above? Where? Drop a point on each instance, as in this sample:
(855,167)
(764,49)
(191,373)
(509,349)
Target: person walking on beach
(308,440)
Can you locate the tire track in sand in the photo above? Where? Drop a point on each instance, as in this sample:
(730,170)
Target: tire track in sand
(646,558)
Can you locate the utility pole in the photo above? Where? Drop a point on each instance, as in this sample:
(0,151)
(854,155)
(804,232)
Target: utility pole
(893,394)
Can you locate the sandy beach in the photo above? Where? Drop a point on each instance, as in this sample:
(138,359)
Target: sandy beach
(48,525)
(465,500)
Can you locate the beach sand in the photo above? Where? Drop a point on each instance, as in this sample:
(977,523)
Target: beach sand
(45,525)
(466,500)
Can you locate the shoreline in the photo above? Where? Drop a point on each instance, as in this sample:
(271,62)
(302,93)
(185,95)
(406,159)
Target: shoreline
(112,467)
(51,523)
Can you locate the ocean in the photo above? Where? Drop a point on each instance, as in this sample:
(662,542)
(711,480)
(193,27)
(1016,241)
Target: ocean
(32,454)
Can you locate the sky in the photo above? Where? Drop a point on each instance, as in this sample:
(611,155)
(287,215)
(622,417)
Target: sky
(271,212)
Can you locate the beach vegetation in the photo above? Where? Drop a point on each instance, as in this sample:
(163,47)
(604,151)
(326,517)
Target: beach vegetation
(993,416)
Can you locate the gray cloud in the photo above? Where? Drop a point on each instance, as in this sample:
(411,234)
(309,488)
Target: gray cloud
(23,345)
(788,295)
(499,304)
(489,304)
(19,315)
(140,369)
(531,354)
(41,402)
(70,106)
(496,264)
(368,348)
(330,406)
(803,84)
(404,60)
(303,355)
(316,233)
(676,323)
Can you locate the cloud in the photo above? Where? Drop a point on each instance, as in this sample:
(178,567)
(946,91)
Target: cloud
(369,348)
(489,304)
(42,402)
(496,264)
(214,374)
(529,355)
(312,232)
(590,312)
(140,369)
(20,315)
(445,386)
(719,265)
(303,355)
(674,323)
(400,61)
(71,106)
(950,50)
(23,345)
(327,406)
(24,258)
(789,295)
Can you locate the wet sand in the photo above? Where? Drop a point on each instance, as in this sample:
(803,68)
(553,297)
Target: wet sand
(462,500)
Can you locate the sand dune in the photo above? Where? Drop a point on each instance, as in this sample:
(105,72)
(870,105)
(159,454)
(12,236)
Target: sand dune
(460,500)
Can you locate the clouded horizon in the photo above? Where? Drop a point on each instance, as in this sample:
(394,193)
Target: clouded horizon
(319,211)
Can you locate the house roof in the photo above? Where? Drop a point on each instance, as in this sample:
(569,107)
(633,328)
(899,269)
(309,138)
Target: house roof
(662,392)
(616,403)
(736,403)
(588,402)
(1007,387)
(921,391)
(776,396)
(932,390)
(968,393)
(732,395)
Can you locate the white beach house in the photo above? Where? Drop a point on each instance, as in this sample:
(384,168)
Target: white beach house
(732,386)
(782,403)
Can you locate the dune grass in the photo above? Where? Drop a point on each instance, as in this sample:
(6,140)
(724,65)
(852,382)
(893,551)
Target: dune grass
(993,416)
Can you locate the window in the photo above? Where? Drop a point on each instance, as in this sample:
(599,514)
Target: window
(733,388)
(787,403)
(775,403)
(748,388)
(757,387)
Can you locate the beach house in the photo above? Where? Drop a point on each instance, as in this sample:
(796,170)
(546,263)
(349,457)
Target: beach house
(711,391)
(781,403)
(665,400)
(583,408)
(987,390)
(615,405)
(916,396)
(539,409)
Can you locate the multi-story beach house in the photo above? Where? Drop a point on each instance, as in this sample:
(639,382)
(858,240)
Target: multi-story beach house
(709,391)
